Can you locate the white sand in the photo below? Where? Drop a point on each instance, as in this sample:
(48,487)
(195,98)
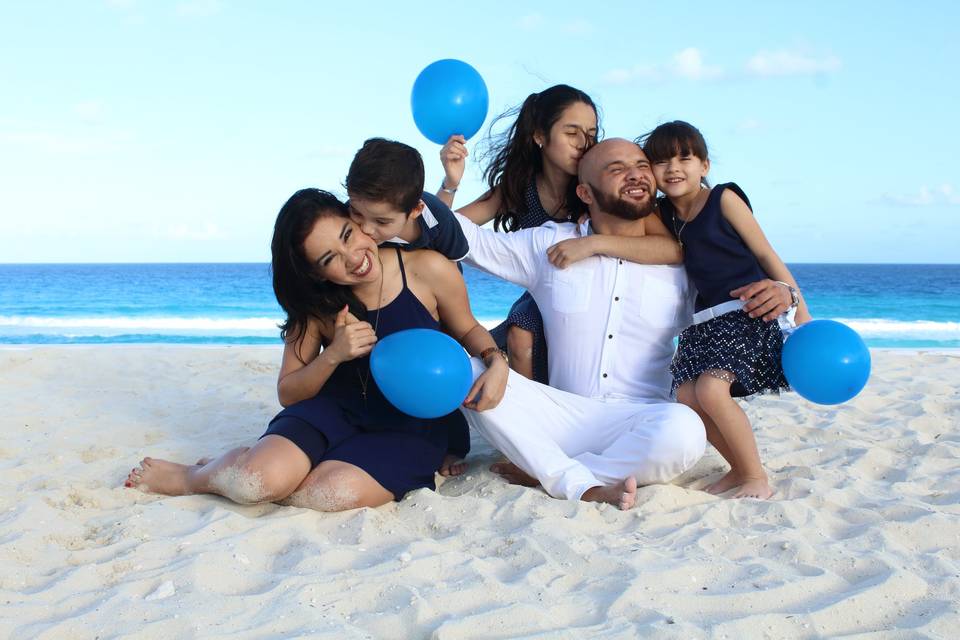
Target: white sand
(862,540)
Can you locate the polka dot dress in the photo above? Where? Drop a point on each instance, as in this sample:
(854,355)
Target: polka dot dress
(749,348)
(524,312)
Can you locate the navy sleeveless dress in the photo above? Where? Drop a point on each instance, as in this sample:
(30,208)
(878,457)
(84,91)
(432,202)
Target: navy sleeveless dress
(400,452)
(718,261)
(524,313)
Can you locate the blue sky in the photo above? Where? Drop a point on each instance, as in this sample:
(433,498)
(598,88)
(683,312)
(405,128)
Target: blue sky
(136,131)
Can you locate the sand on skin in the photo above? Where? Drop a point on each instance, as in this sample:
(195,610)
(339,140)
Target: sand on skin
(864,537)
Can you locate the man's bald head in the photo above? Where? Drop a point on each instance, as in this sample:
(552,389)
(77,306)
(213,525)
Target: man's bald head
(615,180)
(601,154)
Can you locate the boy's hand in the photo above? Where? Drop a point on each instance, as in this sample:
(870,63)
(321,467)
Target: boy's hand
(453,155)
(566,252)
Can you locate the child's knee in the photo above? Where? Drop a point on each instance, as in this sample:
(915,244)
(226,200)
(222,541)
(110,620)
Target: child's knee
(520,342)
(710,390)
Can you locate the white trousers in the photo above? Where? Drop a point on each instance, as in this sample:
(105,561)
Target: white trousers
(571,443)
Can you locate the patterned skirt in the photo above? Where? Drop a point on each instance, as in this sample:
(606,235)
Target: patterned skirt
(749,348)
(526,315)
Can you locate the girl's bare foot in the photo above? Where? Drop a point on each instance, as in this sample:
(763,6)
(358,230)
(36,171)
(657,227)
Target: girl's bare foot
(160,476)
(755,488)
(724,484)
(622,495)
(452,466)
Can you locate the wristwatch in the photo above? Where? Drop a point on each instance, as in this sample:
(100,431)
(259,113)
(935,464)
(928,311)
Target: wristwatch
(794,293)
(445,189)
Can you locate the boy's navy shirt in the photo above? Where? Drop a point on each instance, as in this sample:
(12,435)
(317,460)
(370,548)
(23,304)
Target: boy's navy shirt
(439,230)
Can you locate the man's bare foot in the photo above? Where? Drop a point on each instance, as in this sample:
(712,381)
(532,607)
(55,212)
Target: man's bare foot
(452,466)
(160,476)
(514,474)
(755,488)
(622,495)
(730,480)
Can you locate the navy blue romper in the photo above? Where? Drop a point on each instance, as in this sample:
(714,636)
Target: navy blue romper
(400,452)
(718,261)
(524,313)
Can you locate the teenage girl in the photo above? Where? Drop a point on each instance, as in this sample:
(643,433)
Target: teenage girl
(727,352)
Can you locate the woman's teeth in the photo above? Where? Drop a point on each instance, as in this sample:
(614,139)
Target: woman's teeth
(364,267)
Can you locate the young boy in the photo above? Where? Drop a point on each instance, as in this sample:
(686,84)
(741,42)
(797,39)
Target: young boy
(385,187)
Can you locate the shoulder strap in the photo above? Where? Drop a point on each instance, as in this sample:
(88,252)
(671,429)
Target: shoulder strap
(403,273)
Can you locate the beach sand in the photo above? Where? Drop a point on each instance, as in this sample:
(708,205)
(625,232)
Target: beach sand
(861,540)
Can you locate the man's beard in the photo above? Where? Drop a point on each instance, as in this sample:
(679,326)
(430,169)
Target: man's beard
(623,209)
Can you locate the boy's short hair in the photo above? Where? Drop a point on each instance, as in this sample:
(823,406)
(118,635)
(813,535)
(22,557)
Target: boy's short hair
(387,171)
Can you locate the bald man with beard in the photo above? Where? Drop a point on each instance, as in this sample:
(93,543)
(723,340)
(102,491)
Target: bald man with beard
(607,422)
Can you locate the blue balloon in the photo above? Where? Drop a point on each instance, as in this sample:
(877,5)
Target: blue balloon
(422,372)
(826,362)
(449,97)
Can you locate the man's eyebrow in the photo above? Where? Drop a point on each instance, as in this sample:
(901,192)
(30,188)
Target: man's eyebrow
(615,162)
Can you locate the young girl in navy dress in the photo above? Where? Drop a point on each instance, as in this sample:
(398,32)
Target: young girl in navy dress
(532,181)
(727,352)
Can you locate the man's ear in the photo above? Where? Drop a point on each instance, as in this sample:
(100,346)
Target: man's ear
(585,194)
(417,210)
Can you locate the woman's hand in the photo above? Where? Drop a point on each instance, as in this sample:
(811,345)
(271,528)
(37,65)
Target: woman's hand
(488,389)
(453,155)
(566,252)
(351,338)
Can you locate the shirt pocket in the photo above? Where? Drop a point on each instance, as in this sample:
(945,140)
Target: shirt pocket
(571,290)
(663,303)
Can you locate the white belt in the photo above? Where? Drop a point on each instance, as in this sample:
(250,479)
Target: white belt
(718,310)
(785,320)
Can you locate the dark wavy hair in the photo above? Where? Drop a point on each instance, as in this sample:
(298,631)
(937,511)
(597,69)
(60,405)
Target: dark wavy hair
(515,159)
(301,292)
(677,138)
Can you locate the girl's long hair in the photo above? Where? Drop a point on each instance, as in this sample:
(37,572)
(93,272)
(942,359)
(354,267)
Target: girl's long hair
(302,294)
(515,159)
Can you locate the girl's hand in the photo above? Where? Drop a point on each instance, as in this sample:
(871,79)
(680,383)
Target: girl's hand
(567,252)
(488,389)
(351,338)
(453,155)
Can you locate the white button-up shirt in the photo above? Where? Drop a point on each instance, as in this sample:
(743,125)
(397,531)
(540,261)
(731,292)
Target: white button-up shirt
(609,323)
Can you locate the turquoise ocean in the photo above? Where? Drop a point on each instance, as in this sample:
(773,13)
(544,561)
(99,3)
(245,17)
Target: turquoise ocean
(907,306)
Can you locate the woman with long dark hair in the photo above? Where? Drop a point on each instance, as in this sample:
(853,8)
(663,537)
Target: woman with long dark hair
(339,444)
(530,176)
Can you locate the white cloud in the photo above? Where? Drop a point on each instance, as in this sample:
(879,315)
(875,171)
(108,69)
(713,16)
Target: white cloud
(945,194)
(748,125)
(689,64)
(785,62)
(121,4)
(91,111)
(65,142)
(530,22)
(198,8)
(579,28)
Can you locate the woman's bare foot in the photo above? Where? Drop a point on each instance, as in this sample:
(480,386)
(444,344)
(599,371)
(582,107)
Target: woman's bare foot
(755,488)
(724,484)
(514,474)
(204,460)
(452,466)
(622,495)
(160,476)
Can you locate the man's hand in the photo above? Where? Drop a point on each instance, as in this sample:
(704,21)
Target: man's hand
(764,298)
(567,252)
